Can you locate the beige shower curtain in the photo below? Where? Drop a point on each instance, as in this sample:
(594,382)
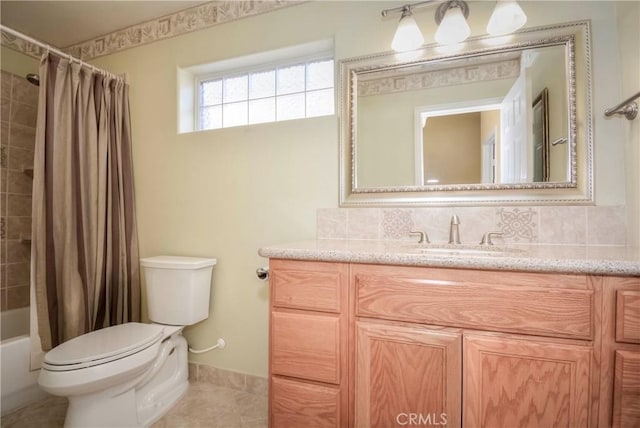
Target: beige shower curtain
(84,238)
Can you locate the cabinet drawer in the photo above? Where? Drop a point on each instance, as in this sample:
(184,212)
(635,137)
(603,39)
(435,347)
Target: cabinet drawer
(626,389)
(307,285)
(301,404)
(628,316)
(306,346)
(539,304)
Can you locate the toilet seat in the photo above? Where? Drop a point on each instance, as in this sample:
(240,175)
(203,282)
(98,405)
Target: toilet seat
(102,346)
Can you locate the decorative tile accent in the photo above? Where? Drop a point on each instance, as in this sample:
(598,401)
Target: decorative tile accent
(20,45)
(568,225)
(185,21)
(192,19)
(3,228)
(396,223)
(439,78)
(518,225)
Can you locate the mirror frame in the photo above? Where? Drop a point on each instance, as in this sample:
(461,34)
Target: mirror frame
(575,36)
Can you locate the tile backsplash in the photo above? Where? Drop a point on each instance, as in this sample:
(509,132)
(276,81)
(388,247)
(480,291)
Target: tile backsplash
(593,225)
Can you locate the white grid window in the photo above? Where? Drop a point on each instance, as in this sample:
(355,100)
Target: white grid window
(291,91)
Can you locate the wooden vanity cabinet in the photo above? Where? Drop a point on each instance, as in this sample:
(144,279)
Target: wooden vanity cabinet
(390,346)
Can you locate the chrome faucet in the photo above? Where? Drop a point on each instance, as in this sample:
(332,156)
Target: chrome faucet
(454,231)
(424,238)
(486,238)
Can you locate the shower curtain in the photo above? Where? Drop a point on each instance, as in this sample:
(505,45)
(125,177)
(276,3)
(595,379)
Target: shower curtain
(84,238)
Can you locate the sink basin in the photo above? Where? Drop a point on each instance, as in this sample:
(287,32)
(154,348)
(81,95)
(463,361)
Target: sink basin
(462,249)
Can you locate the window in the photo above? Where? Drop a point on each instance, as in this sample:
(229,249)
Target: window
(292,91)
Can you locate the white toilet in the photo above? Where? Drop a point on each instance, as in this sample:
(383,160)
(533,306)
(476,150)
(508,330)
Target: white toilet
(130,375)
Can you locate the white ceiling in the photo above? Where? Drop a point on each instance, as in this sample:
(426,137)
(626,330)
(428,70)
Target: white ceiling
(65,23)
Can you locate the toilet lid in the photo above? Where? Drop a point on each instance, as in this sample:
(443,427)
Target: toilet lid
(104,345)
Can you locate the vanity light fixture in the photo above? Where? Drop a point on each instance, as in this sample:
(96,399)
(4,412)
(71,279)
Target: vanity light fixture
(451,17)
(408,36)
(506,18)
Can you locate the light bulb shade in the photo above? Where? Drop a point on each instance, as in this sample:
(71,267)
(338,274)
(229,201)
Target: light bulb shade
(408,36)
(506,18)
(453,28)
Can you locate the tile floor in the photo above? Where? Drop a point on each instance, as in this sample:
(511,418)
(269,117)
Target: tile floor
(204,405)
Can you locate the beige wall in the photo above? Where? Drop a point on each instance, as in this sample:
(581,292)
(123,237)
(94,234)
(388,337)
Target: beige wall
(225,193)
(16,62)
(628,22)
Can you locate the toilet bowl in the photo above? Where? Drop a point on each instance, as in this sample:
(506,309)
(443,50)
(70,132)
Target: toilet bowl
(130,375)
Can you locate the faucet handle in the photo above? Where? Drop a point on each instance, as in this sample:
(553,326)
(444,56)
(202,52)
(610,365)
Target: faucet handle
(424,239)
(486,238)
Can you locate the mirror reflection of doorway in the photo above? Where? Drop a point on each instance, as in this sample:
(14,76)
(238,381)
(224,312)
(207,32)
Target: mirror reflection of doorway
(450,143)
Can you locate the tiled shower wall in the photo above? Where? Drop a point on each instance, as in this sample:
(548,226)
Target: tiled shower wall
(18,121)
(568,225)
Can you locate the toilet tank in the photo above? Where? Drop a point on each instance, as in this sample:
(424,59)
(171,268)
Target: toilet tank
(177,288)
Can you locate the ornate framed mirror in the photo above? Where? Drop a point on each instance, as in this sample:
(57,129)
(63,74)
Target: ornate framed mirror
(496,122)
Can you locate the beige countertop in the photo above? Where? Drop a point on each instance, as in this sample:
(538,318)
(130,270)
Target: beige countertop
(581,259)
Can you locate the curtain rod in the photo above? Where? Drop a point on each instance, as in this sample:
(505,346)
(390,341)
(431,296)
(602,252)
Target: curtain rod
(58,52)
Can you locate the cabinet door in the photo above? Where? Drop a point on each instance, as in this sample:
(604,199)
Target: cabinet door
(406,375)
(626,390)
(509,382)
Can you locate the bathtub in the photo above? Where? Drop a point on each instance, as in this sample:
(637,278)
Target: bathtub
(19,385)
